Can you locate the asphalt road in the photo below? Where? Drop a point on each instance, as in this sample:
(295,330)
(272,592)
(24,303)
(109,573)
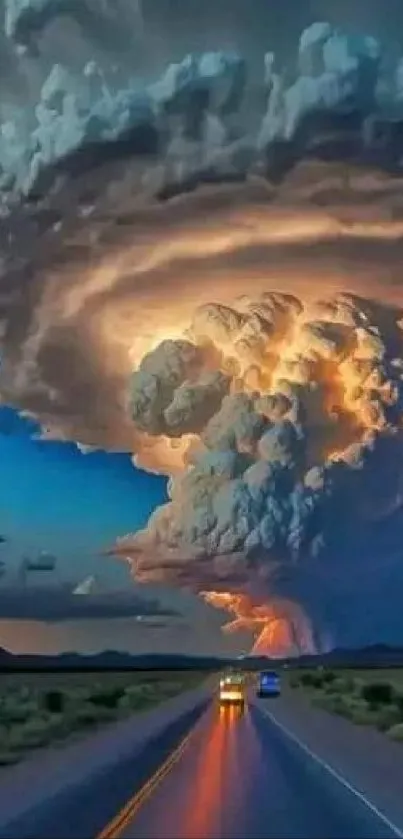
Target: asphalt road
(241,776)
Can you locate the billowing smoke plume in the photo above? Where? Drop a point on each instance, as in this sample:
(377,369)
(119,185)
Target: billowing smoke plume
(291,417)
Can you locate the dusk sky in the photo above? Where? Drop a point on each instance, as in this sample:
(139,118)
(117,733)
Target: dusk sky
(58,499)
(211,310)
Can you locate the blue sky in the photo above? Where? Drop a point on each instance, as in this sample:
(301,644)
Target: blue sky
(53,497)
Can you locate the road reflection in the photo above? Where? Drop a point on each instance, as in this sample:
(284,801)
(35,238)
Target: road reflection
(202,812)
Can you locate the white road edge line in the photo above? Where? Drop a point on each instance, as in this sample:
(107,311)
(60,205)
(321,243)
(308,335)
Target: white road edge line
(343,781)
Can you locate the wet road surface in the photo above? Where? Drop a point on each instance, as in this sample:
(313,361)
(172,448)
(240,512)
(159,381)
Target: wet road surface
(239,775)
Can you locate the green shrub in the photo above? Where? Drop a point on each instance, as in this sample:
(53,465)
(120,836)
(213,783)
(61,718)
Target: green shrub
(17,716)
(35,733)
(329,688)
(346,709)
(310,679)
(358,686)
(168,688)
(107,699)
(132,702)
(306,679)
(330,702)
(13,712)
(14,740)
(343,684)
(90,716)
(328,676)
(135,698)
(25,694)
(396,732)
(388,716)
(377,693)
(54,701)
(361,714)
(8,756)
(398,700)
(344,705)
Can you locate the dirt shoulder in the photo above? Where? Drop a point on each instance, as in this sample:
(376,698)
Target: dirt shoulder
(365,758)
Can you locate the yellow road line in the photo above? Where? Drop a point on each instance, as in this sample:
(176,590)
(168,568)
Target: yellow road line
(122,820)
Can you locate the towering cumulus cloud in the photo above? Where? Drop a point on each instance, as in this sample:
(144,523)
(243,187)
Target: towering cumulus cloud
(291,415)
(223,302)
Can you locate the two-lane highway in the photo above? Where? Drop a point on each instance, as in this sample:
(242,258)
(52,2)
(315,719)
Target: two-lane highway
(241,775)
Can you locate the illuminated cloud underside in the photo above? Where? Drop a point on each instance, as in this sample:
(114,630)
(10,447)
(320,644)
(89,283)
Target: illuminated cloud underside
(281,628)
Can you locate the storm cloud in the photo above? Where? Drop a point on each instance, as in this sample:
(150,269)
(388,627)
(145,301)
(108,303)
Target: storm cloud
(243,338)
(307,436)
(57,605)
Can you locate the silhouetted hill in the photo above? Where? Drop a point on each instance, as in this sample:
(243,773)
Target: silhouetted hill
(108,660)
(378,655)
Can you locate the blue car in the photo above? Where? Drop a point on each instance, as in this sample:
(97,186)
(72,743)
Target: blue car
(269,684)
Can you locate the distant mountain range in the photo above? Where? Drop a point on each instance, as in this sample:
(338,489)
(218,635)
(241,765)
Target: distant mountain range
(379,655)
(376,655)
(107,660)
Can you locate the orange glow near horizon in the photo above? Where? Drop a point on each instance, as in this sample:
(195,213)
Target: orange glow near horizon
(281,628)
(276,639)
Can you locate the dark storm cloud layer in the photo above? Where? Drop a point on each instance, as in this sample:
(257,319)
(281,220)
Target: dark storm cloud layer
(64,30)
(61,605)
(206,117)
(174,28)
(24,22)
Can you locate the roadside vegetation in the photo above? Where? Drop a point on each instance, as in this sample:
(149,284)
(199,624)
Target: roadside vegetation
(37,710)
(370,697)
